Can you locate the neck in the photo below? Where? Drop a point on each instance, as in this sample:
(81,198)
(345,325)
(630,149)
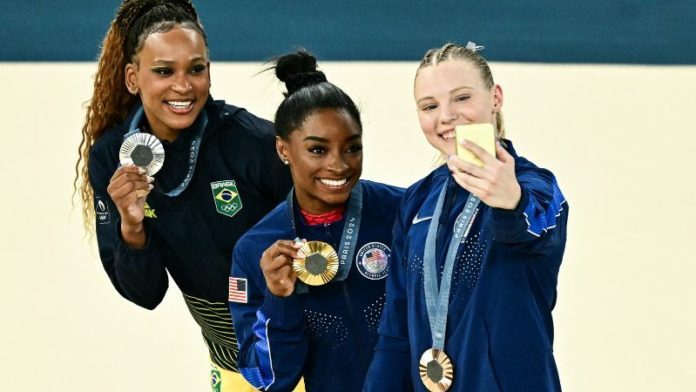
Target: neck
(325,218)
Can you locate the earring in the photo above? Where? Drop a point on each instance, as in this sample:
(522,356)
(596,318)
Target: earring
(285,161)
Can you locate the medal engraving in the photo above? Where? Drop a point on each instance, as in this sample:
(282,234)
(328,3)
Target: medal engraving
(143,150)
(319,264)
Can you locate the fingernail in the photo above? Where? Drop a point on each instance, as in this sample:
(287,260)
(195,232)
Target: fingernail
(149,187)
(150,180)
(141,170)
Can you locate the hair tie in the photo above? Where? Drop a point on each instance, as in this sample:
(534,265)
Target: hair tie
(473,47)
(300,80)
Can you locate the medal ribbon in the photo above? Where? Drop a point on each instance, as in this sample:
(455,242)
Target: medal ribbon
(437,301)
(199,127)
(349,237)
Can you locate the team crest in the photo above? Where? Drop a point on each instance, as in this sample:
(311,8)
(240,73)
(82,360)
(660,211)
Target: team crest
(372,260)
(226,197)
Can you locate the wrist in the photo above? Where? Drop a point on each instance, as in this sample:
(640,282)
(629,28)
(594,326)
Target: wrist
(133,235)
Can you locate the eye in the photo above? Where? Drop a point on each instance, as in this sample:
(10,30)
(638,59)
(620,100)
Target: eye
(429,107)
(354,148)
(198,68)
(163,71)
(461,98)
(317,150)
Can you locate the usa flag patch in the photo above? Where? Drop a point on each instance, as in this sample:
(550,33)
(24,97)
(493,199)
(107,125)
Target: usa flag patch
(238,290)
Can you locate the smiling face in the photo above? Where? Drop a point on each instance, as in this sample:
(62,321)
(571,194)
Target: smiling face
(172,76)
(325,156)
(453,93)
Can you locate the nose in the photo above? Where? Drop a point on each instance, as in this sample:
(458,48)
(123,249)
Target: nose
(181,84)
(447,114)
(337,163)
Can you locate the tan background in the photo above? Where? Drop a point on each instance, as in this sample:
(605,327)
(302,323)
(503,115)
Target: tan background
(619,138)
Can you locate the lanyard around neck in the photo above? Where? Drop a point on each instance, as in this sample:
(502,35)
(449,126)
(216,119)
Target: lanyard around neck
(437,300)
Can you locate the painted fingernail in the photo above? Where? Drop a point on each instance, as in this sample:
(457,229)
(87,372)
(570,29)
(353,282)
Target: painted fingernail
(150,180)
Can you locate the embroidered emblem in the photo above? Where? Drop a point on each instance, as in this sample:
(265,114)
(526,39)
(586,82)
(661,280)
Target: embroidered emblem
(372,260)
(101,209)
(237,290)
(226,197)
(150,212)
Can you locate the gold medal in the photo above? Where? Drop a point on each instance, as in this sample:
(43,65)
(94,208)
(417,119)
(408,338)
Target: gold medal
(436,370)
(143,150)
(319,264)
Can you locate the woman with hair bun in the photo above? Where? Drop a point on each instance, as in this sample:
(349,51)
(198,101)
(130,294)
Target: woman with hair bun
(310,307)
(219,176)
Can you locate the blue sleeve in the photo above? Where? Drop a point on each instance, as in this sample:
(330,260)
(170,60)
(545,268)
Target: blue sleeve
(542,208)
(390,367)
(271,331)
(137,274)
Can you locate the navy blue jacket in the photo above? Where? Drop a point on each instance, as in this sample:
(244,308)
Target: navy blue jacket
(191,236)
(327,335)
(499,331)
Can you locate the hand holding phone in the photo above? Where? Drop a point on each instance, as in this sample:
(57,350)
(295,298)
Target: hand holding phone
(481,134)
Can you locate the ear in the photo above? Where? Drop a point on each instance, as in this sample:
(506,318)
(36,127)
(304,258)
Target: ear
(282,149)
(132,78)
(497,98)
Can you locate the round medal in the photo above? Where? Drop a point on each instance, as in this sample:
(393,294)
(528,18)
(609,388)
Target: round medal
(144,150)
(436,370)
(319,264)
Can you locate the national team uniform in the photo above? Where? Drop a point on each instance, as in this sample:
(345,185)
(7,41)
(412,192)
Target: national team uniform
(237,180)
(326,335)
(499,330)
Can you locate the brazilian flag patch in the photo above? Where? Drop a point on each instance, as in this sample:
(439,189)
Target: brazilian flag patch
(226,196)
(215,380)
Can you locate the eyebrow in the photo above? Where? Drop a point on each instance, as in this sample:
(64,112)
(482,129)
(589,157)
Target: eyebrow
(170,62)
(454,90)
(324,140)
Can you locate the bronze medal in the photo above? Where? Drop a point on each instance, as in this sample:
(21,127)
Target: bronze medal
(436,370)
(319,264)
(143,150)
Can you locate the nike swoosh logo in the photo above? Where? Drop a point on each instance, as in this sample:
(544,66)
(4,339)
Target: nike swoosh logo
(416,219)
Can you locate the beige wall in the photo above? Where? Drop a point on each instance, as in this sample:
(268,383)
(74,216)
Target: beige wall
(620,140)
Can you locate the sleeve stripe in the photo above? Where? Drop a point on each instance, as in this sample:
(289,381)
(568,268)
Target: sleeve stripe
(543,220)
(261,377)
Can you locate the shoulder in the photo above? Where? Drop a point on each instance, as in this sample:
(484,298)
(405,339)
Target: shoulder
(241,122)
(382,192)
(103,157)
(417,192)
(270,228)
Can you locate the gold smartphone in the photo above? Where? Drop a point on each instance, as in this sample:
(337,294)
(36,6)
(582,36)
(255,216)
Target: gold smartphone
(481,134)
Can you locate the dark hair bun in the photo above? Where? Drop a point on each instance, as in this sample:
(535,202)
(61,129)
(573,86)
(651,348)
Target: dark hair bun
(298,70)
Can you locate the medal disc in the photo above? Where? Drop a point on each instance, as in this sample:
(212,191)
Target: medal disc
(143,150)
(319,265)
(436,370)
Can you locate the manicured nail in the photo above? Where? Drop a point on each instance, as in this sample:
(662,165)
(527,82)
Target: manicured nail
(150,180)
(141,170)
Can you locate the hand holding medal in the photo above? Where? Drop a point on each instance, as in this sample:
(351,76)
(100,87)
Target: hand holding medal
(276,265)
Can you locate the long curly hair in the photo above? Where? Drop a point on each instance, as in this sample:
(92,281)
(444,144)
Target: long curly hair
(111,101)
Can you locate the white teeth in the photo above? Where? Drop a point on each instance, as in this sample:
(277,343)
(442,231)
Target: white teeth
(333,183)
(448,135)
(179,104)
